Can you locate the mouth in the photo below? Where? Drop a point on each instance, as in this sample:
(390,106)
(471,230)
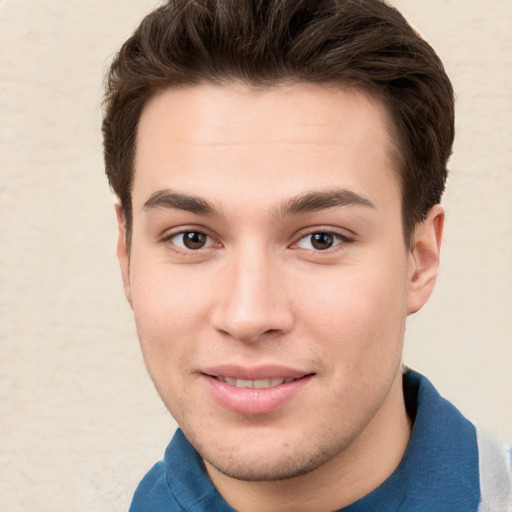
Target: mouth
(255,384)
(256,391)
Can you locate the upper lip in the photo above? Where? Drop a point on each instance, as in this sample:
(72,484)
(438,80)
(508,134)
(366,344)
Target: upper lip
(255,372)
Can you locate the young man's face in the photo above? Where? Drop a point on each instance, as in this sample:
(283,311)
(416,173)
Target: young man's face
(268,272)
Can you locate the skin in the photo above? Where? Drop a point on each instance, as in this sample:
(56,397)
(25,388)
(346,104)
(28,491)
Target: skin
(259,293)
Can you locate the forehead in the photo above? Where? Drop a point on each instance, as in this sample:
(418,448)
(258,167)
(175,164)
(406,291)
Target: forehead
(233,112)
(299,136)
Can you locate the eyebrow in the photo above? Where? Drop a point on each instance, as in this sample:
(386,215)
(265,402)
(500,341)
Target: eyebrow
(321,200)
(175,200)
(301,204)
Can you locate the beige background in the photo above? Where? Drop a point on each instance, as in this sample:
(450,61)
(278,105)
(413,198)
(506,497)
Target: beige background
(79,420)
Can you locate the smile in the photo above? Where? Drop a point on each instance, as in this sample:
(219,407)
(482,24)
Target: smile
(255,391)
(255,384)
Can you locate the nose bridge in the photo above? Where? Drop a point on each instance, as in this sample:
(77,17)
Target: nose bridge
(253,300)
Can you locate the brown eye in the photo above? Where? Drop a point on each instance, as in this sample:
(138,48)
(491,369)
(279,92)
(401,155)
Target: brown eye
(191,240)
(322,241)
(194,240)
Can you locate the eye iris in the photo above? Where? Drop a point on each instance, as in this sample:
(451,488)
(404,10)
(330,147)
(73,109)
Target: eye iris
(194,240)
(322,241)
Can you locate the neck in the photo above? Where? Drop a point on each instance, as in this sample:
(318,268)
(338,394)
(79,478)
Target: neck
(356,471)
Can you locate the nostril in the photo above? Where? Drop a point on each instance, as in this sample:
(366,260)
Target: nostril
(248,331)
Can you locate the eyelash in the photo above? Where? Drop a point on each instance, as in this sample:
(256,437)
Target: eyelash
(338,240)
(168,239)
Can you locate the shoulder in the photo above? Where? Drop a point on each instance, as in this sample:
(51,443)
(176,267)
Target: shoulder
(153,494)
(178,483)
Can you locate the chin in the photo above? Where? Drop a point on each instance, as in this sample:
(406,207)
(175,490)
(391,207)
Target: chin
(267,471)
(268,461)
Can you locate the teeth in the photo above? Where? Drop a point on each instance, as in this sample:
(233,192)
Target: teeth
(268,383)
(256,384)
(228,380)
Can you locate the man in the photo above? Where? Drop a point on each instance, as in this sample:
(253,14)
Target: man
(279,167)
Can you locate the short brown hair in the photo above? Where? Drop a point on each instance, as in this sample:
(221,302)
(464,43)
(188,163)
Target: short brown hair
(365,43)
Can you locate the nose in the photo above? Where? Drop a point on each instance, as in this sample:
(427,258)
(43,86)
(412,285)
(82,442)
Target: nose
(252,302)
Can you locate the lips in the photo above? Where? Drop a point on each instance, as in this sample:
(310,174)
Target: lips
(255,384)
(254,391)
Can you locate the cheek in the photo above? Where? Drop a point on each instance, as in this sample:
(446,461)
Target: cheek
(169,310)
(163,292)
(167,329)
(360,310)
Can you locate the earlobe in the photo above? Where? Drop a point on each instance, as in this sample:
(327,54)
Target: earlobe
(424,259)
(123,254)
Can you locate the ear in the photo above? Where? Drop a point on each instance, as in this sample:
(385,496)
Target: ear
(123,253)
(424,259)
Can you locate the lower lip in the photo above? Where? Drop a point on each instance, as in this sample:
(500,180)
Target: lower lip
(251,401)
